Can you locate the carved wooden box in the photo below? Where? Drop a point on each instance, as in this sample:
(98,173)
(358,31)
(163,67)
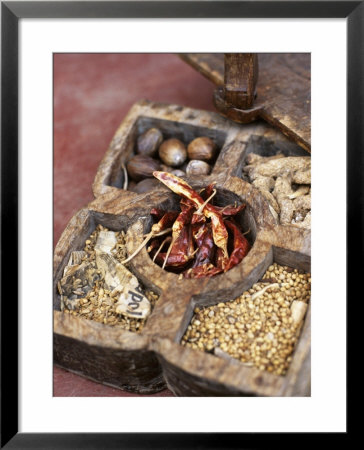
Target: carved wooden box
(154,358)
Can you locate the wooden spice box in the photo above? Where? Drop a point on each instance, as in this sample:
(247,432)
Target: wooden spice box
(147,361)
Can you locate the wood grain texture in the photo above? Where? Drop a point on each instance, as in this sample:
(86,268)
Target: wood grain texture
(240,78)
(145,361)
(283,89)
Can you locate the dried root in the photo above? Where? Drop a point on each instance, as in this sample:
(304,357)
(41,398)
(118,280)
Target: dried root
(254,159)
(302,176)
(306,223)
(271,200)
(264,183)
(285,183)
(287,210)
(301,190)
(303,202)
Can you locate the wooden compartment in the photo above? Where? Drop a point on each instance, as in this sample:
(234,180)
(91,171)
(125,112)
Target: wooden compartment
(193,372)
(143,362)
(110,355)
(174,121)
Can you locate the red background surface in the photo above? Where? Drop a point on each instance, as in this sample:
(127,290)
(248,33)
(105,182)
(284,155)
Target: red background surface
(92,95)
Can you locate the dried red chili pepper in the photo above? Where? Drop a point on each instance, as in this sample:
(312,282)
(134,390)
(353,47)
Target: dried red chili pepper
(183,219)
(220,259)
(159,248)
(165,222)
(240,244)
(207,191)
(154,243)
(158,213)
(206,247)
(198,232)
(230,210)
(181,187)
(180,252)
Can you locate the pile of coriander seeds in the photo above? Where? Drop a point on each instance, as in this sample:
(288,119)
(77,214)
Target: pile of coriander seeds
(99,304)
(261,327)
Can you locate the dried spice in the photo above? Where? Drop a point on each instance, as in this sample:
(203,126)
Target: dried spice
(198,244)
(155,152)
(259,328)
(96,286)
(285,182)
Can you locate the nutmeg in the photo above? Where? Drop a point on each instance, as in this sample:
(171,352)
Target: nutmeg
(202,148)
(149,142)
(178,173)
(197,167)
(140,167)
(173,152)
(165,168)
(132,184)
(146,185)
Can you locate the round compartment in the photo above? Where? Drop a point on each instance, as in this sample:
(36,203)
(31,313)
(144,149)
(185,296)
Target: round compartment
(243,220)
(143,261)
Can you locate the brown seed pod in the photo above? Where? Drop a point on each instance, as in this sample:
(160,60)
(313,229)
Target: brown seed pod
(202,148)
(149,142)
(146,185)
(173,152)
(197,167)
(140,167)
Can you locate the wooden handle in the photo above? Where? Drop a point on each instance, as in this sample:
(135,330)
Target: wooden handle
(240,79)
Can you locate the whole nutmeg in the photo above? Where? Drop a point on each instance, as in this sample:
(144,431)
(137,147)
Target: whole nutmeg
(146,185)
(178,173)
(202,148)
(132,184)
(165,168)
(197,167)
(140,167)
(149,142)
(173,152)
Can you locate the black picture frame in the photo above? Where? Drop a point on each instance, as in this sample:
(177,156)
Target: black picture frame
(11,12)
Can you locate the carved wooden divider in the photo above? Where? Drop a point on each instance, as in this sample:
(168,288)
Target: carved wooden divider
(145,362)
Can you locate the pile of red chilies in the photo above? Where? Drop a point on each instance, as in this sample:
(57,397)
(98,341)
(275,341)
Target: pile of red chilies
(205,239)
